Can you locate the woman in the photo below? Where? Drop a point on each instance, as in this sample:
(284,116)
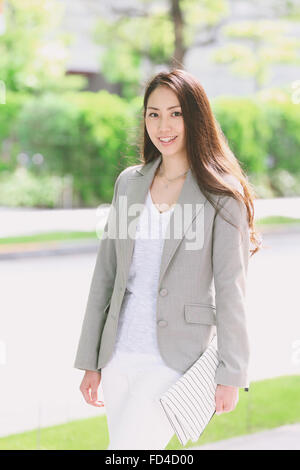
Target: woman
(157,299)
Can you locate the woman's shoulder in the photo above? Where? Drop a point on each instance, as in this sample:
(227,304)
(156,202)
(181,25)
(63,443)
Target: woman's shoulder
(125,174)
(129,171)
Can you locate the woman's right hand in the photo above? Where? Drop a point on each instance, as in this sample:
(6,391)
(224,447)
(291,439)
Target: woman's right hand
(89,387)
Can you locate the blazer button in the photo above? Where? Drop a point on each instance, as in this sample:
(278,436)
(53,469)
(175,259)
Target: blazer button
(162,323)
(163,292)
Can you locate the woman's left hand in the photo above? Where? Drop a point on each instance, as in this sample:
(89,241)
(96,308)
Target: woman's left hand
(227,397)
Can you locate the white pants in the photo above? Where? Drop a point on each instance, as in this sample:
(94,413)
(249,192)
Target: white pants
(132,384)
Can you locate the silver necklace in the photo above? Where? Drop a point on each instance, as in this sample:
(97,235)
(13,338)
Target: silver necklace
(172,179)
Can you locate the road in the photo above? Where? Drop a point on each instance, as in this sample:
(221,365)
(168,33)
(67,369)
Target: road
(26,220)
(42,307)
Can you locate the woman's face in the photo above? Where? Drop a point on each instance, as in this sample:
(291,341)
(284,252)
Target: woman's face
(164,119)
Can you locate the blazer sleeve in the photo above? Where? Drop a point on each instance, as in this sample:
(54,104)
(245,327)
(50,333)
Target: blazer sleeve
(230,266)
(99,297)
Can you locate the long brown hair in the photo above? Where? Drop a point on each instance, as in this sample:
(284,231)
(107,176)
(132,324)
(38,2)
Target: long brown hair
(207,148)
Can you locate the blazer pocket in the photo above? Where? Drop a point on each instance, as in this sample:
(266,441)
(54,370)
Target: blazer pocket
(200,313)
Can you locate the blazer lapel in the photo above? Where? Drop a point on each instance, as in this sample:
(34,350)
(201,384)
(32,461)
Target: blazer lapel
(137,189)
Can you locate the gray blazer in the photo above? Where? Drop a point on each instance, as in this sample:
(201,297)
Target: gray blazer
(202,283)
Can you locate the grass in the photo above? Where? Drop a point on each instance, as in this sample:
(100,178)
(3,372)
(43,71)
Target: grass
(268,404)
(277,220)
(69,236)
(51,236)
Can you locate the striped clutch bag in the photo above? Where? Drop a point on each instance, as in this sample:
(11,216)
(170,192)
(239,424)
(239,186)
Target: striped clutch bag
(189,404)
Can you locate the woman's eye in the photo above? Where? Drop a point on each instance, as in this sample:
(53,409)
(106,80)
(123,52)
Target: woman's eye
(178,112)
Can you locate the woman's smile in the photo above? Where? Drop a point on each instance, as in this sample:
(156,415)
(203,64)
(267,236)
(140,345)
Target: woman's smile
(167,142)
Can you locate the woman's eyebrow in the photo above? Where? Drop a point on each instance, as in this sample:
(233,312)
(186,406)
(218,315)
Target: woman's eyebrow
(171,107)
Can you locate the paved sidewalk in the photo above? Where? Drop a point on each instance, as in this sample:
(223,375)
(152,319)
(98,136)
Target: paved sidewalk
(27,221)
(282,438)
(50,248)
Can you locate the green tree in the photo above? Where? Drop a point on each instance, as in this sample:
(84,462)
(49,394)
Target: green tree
(153,33)
(261,44)
(32,56)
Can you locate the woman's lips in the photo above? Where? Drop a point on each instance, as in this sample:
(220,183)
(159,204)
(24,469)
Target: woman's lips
(165,144)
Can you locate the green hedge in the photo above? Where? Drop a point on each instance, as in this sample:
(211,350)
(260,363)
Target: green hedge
(22,188)
(83,134)
(92,136)
(246,129)
(264,134)
(284,144)
(9,145)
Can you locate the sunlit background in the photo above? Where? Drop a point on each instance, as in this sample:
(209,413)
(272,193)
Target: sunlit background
(72,75)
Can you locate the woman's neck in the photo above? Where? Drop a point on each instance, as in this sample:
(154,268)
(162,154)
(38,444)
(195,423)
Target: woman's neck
(172,167)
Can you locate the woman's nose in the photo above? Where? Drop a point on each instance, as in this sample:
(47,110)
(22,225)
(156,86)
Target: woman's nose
(164,126)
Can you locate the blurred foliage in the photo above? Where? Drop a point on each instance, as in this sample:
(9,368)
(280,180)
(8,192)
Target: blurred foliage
(32,56)
(263,132)
(135,40)
(86,135)
(248,133)
(265,44)
(9,145)
(138,38)
(276,183)
(93,137)
(285,183)
(289,9)
(22,188)
(284,145)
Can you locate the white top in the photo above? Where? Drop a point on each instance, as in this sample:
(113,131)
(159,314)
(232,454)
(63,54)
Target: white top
(137,319)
